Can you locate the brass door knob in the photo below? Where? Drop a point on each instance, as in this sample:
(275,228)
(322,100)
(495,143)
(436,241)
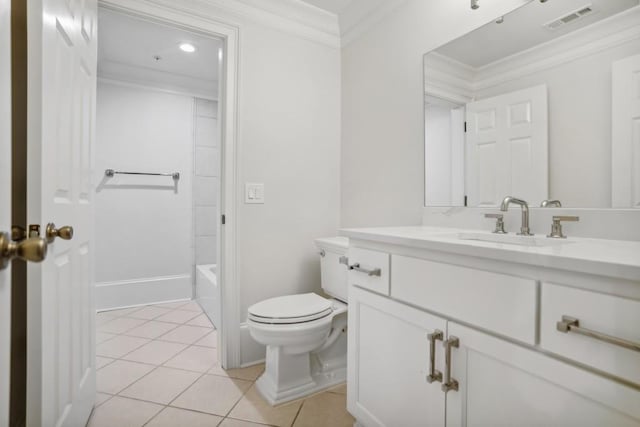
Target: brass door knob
(33,249)
(65,233)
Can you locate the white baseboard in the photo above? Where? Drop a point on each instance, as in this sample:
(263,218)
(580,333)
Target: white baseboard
(251,352)
(151,290)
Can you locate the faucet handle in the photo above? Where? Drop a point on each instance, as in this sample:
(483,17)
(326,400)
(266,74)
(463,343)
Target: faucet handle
(556,227)
(499,222)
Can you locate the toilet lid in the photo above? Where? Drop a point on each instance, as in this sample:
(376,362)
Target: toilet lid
(291,309)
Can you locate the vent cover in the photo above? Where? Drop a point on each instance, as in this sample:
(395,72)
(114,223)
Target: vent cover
(570,17)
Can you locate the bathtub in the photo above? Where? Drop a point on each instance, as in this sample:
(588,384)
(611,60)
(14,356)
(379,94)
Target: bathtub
(208,292)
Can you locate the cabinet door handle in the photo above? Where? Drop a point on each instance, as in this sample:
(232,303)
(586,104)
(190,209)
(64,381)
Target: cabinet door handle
(449,382)
(571,324)
(434,374)
(374,272)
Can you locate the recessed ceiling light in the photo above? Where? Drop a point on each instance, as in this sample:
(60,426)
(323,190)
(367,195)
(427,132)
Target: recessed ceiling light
(187,47)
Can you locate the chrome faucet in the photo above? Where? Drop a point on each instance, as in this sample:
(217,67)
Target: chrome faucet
(551,204)
(524,228)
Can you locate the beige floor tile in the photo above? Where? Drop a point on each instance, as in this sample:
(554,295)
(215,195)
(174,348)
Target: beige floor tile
(177,316)
(172,305)
(340,389)
(101,362)
(103,317)
(104,336)
(199,359)
(122,311)
(156,352)
(120,374)
(325,410)
(212,394)
(151,329)
(174,417)
(101,398)
(122,412)
(201,320)
(252,407)
(230,422)
(120,325)
(192,306)
(250,373)
(149,312)
(119,346)
(185,334)
(209,340)
(161,385)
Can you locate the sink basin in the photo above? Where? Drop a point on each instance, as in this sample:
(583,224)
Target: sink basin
(513,239)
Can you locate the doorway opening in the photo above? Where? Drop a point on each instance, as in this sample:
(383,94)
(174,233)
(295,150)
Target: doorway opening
(166,105)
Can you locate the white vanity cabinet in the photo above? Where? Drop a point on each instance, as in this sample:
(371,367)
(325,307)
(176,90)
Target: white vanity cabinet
(504,384)
(510,364)
(389,361)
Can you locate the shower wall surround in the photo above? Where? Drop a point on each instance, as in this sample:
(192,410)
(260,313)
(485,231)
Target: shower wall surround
(144,225)
(206,182)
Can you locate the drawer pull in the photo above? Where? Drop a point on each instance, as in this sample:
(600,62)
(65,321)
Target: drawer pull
(571,324)
(449,383)
(375,272)
(434,374)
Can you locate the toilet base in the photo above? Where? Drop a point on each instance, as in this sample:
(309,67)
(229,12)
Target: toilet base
(317,383)
(289,377)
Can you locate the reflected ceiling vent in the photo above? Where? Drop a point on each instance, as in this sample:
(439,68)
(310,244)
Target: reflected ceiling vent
(570,17)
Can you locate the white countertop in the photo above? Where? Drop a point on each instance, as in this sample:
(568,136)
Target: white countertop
(611,258)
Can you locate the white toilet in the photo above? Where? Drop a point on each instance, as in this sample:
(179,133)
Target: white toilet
(305,334)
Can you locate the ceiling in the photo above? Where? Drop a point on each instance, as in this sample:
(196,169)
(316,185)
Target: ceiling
(127,47)
(524,28)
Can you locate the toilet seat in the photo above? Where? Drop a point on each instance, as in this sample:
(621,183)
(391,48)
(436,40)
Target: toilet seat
(291,309)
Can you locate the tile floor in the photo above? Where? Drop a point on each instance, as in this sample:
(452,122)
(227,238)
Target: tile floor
(158,367)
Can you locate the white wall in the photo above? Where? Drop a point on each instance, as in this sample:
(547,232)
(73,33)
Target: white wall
(289,139)
(382,105)
(143,224)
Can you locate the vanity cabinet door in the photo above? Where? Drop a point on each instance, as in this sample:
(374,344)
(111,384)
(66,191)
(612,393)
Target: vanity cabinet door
(389,361)
(502,384)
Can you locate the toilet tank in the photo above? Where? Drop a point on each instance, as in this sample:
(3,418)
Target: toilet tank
(334,274)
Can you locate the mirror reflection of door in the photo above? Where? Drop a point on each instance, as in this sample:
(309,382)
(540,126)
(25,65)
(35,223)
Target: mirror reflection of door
(507,147)
(574,49)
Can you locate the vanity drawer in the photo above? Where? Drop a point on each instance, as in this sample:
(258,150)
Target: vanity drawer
(497,302)
(605,314)
(369,270)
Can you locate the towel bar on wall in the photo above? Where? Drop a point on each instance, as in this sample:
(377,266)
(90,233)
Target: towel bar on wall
(110,174)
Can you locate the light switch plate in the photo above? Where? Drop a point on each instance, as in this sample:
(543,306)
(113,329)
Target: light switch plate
(254,193)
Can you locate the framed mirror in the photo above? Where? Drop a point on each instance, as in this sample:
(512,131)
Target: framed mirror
(542,103)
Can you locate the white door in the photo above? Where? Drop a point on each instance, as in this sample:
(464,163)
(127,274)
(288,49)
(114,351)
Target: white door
(626,133)
(389,360)
(5,204)
(502,384)
(60,310)
(507,148)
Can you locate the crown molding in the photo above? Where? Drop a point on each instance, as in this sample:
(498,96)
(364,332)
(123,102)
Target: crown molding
(446,76)
(113,71)
(361,15)
(290,16)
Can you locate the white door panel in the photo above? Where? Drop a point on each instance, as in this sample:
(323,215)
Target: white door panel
(62,68)
(389,360)
(626,133)
(503,384)
(5,204)
(507,147)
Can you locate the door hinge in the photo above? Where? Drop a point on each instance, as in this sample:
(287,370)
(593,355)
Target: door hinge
(224,219)
(465,201)
(465,127)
